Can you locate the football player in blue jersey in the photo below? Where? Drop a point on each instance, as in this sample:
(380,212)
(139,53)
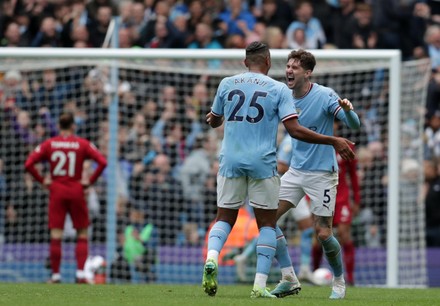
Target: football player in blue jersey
(313,169)
(251,105)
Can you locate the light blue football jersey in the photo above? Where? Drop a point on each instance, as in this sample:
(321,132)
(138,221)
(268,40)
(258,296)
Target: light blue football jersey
(284,154)
(252,105)
(317,110)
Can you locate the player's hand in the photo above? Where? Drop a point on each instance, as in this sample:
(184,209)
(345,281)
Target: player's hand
(213,120)
(342,146)
(85,183)
(209,117)
(345,104)
(47,182)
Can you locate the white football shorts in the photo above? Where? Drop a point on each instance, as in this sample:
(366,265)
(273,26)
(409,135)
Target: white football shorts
(320,186)
(262,193)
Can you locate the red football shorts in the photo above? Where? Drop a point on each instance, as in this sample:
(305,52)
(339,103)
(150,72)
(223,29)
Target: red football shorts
(63,200)
(343,213)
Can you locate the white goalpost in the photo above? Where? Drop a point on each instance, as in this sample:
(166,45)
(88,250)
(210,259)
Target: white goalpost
(129,102)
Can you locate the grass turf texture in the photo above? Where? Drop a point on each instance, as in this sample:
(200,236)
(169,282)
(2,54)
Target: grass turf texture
(181,295)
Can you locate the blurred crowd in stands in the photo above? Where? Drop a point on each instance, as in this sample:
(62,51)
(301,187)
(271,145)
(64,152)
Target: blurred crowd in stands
(168,156)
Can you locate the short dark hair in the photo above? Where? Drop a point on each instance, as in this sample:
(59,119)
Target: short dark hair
(66,120)
(256,52)
(305,58)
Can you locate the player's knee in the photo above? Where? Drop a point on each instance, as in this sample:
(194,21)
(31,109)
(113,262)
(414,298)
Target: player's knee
(82,233)
(56,233)
(343,237)
(323,233)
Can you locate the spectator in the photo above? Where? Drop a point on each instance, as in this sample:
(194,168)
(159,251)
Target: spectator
(235,18)
(49,34)
(274,38)
(160,197)
(342,24)
(178,140)
(148,32)
(138,144)
(257,34)
(433,96)
(51,93)
(137,19)
(95,103)
(31,208)
(398,26)
(298,39)
(235,41)
(275,13)
(13,37)
(196,11)
(140,245)
(314,33)
(3,201)
(203,38)
(99,28)
(77,19)
(15,89)
(432,39)
(432,136)
(151,114)
(432,201)
(193,175)
(80,34)
(22,126)
(200,101)
(165,36)
(364,35)
(126,11)
(180,23)
(373,194)
(93,7)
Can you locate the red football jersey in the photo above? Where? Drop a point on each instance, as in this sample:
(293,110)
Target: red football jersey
(347,167)
(66,155)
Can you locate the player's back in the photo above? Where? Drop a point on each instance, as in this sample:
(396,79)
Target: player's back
(66,155)
(252,105)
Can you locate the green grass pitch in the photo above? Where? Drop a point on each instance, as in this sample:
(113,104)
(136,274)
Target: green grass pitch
(192,295)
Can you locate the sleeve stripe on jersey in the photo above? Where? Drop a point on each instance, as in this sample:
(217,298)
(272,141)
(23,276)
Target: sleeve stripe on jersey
(217,115)
(335,113)
(289,117)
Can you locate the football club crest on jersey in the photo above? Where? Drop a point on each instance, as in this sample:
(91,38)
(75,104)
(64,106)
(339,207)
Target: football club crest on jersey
(298,110)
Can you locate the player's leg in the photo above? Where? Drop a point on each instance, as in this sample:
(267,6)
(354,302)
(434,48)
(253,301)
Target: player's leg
(348,250)
(316,254)
(321,189)
(81,254)
(290,194)
(342,223)
(263,197)
(80,218)
(303,218)
(56,236)
(57,215)
(231,193)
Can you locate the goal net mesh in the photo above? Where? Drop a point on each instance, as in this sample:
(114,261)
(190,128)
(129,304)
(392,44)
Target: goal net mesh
(166,166)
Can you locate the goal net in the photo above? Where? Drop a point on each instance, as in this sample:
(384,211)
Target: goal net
(152,207)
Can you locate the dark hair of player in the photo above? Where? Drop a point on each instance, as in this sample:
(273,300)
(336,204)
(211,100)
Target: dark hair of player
(66,121)
(256,52)
(306,59)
